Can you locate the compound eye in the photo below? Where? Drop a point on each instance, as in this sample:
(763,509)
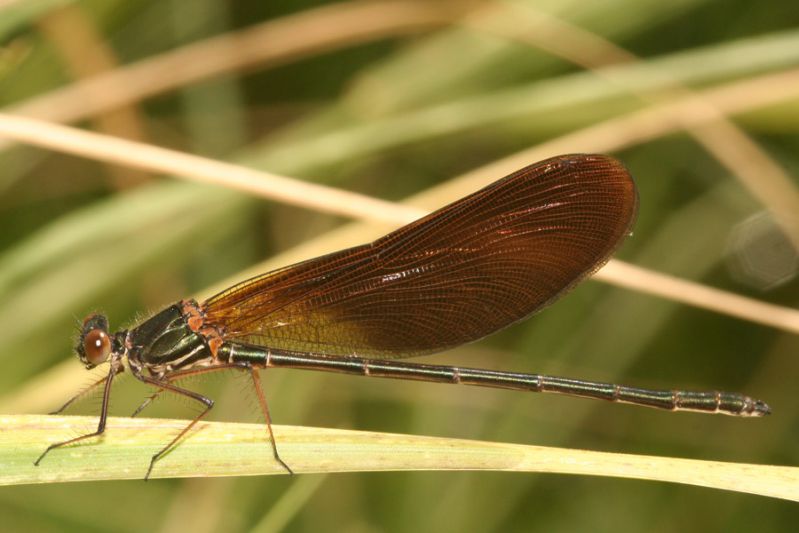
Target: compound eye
(96,346)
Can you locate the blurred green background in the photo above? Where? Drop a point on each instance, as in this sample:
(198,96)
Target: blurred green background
(389,116)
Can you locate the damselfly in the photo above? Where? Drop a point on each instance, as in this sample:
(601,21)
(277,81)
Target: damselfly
(452,277)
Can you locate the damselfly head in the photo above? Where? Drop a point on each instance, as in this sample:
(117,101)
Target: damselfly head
(94,345)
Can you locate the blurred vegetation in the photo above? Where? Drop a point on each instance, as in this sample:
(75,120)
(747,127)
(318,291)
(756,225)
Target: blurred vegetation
(391,117)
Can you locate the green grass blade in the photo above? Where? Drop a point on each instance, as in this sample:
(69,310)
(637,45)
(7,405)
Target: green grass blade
(232,449)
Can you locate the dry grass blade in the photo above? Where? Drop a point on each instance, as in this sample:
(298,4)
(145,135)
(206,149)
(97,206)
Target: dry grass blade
(196,168)
(271,43)
(322,198)
(394,96)
(85,54)
(730,144)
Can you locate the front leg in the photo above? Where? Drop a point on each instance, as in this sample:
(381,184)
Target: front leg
(80,395)
(115,369)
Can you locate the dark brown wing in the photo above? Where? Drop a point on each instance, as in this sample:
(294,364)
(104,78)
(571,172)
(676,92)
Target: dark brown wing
(454,276)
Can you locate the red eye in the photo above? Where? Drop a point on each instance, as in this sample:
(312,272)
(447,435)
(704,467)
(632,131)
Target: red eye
(96,346)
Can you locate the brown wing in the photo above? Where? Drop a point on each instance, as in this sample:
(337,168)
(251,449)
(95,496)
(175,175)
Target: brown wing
(454,276)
